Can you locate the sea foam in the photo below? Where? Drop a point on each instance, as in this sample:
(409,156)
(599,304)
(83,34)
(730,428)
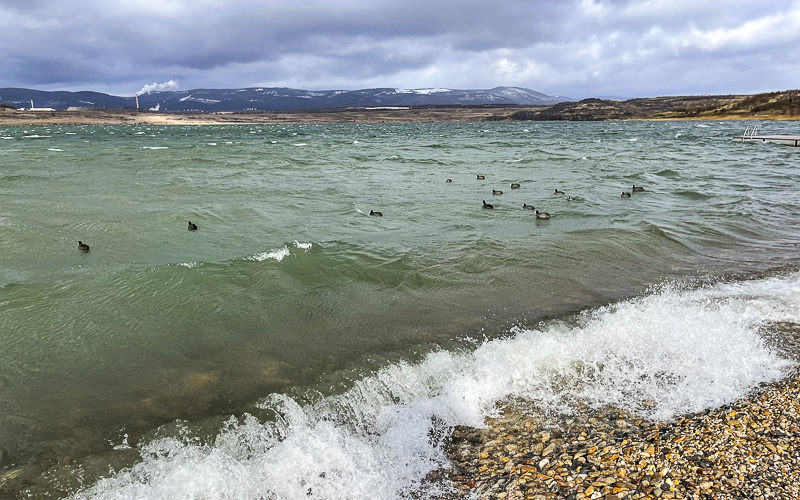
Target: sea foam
(660,355)
(279,253)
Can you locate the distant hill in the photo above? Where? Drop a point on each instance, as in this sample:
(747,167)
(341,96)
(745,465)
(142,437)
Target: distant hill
(785,104)
(272,99)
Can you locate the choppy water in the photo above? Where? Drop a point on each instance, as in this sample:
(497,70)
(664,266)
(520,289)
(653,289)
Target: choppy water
(294,343)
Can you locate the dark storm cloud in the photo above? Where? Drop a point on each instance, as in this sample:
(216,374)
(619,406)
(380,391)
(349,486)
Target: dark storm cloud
(579,48)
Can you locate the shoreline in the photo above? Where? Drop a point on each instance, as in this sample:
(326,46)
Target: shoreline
(747,449)
(16,118)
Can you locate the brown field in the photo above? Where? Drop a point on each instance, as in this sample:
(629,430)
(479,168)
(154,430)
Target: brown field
(340,115)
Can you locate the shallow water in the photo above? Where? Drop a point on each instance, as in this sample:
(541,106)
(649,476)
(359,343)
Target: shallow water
(295,342)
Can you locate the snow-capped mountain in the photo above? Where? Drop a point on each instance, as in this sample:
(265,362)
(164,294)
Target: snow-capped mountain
(278,98)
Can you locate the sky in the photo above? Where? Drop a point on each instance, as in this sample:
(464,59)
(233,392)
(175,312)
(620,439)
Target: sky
(575,48)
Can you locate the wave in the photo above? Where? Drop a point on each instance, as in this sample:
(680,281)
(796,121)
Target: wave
(279,253)
(692,195)
(671,352)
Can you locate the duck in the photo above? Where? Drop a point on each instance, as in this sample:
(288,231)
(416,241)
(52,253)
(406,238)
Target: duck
(515,185)
(625,194)
(192,227)
(528,207)
(449,180)
(481,177)
(558,191)
(637,189)
(376,214)
(570,198)
(487,205)
(541,215)
(496,191)
(83,247)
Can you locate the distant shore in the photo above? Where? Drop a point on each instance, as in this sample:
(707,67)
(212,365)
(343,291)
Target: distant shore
(449,114)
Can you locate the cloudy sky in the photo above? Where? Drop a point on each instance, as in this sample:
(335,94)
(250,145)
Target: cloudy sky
(576,48)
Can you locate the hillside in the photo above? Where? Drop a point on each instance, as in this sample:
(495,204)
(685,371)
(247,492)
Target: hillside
(773,105)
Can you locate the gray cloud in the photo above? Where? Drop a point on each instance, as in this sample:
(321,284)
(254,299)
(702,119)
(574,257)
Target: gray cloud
(577,47)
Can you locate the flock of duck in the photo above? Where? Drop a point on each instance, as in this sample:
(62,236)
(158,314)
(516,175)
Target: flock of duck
(83,247)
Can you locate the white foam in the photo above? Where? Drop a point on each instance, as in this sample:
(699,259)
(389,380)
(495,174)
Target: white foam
(155,147)
(304,246)
(278,254)
(679,351)
(54,149)
(300,144)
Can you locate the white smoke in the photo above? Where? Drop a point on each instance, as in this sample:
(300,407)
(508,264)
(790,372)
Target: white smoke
(155,87)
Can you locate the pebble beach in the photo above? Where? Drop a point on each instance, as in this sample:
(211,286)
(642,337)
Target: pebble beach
(747,449)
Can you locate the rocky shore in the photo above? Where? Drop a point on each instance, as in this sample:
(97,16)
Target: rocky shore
(748,449)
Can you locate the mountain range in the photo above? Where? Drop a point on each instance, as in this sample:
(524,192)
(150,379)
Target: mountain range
(276,98)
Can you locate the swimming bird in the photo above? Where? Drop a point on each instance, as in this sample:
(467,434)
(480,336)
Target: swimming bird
(625,194)
(637,189)
(83,247)
(541,215)
(192,227)
(558,191)
(570,198)
(487,205)
(376,214)
(496,191)
(515,185)
(481,177)
(449,180)
(528,207)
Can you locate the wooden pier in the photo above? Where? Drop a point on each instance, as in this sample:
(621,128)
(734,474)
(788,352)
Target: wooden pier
(750,135)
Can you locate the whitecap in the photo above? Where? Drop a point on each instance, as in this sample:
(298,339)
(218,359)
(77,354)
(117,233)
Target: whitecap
(189,264)
(300,144)
(155,147)
(54,149)
(278,254)
(304,246)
